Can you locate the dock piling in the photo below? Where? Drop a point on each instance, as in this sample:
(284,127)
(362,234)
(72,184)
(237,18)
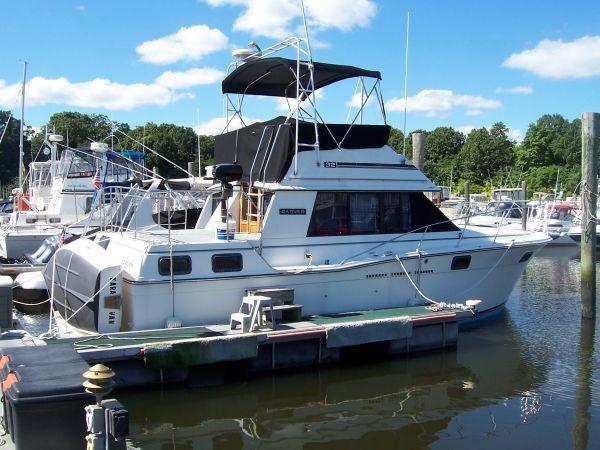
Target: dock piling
(524,206)
(418,142)
(590,145)
(191,168)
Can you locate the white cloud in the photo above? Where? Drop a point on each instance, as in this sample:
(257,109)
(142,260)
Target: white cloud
(558,59)
(217,125)
(277,18)
(515,134)
(188,44)
(437,102)
(97,93)
(465,129)
(357,99)
(80,8)
(286,104)
(189,78)
(517,90)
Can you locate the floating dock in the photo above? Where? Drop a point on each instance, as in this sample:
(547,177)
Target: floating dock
(44,375)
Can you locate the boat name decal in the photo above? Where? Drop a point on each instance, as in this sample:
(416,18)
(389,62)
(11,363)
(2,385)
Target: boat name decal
(292,211)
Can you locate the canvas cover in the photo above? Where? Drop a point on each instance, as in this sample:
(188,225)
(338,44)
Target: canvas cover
(242,145)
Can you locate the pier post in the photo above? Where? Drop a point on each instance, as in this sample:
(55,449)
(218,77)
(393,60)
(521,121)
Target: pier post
(191,168)
(418,142)
(155,172)
(590,145)
(524,208)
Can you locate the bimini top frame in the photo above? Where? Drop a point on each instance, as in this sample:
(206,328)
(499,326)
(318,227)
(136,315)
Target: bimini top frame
(261,73)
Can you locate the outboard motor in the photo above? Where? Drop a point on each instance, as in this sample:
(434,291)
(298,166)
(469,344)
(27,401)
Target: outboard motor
(87,280)
(226,174)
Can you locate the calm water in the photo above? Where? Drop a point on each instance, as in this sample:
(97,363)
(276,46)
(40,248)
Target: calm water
(527,380)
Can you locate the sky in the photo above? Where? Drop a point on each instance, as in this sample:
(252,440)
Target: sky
(471,63)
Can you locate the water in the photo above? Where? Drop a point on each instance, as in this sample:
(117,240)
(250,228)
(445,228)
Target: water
(526,380)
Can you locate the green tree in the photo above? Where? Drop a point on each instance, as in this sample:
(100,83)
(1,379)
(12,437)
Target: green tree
(9,149)
(486,152)
(175,143)
(442,146)
(395,140)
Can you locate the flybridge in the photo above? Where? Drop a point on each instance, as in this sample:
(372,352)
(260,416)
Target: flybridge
(267,150)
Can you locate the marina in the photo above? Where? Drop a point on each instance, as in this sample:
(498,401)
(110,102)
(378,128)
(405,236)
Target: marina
(278,276)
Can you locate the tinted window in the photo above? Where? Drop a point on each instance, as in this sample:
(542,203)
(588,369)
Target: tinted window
(341,213)
(182,265)
(461,262)
(330,215)
(227,262)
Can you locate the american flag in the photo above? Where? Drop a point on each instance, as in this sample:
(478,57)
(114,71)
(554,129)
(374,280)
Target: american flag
(96,180)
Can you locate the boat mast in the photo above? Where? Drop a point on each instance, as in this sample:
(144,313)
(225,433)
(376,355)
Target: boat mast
(22,128)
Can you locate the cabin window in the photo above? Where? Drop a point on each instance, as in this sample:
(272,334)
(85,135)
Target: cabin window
(182,265)
(348,213)
(227,262)
(461,262)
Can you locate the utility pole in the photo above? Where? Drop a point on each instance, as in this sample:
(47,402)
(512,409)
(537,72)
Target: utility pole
(22,128)
(590,139)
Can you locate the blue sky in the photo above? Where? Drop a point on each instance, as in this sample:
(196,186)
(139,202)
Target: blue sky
(472,63)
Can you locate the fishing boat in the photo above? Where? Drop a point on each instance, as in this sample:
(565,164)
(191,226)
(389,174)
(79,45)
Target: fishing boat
(326,213)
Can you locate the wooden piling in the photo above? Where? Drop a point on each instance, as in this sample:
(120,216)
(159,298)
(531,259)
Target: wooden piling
(524,208)
(191,168)
(418,142)
(590,146)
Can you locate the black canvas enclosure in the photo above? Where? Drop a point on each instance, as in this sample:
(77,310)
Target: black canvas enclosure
(270,162)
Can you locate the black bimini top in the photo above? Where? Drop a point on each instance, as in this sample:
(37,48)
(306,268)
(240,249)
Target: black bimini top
(276,77)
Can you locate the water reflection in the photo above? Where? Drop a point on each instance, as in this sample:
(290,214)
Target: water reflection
(583,393)
(374,405)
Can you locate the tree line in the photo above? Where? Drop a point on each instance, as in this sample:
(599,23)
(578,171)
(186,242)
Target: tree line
(549,156)
(488,158)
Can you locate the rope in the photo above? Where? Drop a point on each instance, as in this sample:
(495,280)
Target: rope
(82,344)
(455,305)
(31,304)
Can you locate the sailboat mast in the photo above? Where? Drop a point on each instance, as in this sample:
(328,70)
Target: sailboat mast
(22,127)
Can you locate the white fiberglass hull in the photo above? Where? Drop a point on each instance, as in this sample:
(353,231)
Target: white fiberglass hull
(374,286)
(15,244)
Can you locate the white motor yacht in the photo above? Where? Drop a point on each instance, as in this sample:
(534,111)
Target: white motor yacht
(326,211)
(61,193)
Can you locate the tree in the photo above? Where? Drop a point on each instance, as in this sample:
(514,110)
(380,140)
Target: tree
(9,149)
(175,143)
(442,146)
(396,139)
(486,152)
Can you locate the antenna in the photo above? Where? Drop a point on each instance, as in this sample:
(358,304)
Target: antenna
(405,81)
(22,125)
(199,150)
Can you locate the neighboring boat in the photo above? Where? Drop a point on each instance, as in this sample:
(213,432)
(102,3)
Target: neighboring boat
(63,193)
(328,212)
